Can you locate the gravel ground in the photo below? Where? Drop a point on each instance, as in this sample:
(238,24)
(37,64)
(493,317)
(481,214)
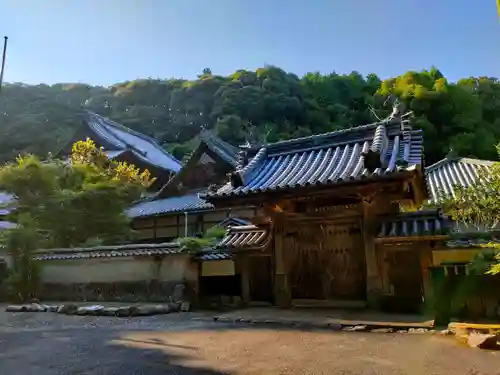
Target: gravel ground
(51,344)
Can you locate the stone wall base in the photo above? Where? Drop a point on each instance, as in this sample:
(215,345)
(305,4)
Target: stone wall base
(127,291)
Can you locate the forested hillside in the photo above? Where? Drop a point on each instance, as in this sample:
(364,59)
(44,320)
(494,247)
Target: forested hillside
(279,105)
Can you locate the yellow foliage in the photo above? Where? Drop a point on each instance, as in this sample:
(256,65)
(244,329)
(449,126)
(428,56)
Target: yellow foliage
(87,153)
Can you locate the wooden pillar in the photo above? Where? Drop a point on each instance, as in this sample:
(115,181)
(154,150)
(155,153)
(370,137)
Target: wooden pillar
(282,282)
(374,286)
(245,278)
(425,266)
(383,264)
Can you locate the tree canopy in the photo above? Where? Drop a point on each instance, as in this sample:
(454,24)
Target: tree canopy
(69,204)
(478,207)
(57,203)
(463,115)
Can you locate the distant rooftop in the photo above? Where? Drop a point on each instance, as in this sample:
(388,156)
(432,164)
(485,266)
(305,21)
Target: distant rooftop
(443,176)
(118,139)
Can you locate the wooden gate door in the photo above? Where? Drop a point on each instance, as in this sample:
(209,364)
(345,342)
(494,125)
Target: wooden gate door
(405,276)
(261,279)
(327,262)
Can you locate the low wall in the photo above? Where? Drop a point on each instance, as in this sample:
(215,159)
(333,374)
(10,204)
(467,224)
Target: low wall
(119,279)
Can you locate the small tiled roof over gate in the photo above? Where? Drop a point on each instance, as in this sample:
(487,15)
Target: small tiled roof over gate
(425,223)
(245,237)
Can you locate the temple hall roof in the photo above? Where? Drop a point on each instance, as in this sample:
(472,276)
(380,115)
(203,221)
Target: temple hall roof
(117,139)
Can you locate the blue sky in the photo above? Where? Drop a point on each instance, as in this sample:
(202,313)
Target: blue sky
(108,41)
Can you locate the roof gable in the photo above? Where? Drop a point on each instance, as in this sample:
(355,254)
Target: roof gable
(211,150)
(442,177)
(226,151)
(120,138)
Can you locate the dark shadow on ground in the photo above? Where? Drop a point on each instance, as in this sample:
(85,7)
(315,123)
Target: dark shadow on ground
(93,352)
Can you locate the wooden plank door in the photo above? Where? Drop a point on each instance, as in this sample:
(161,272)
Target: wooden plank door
(327,262)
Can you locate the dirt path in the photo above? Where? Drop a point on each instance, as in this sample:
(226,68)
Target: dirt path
(50,344)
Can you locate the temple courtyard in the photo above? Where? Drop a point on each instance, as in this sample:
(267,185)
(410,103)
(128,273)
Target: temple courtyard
(189,343)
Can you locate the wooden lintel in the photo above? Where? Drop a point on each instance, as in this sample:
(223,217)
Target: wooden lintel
(311,217)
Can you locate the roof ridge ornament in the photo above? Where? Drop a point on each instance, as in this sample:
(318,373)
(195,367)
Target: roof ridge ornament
(452,154)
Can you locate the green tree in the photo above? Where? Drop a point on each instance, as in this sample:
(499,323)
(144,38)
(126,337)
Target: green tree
(65,204)
(478,206)
(463,115)
(69,203)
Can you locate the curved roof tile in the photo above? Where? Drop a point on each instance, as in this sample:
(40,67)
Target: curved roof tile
(184,203)
(329,158)
(245,237)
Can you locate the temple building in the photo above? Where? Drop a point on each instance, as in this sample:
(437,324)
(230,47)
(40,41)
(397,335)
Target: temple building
(323,198)
(123,144)
(325,220)
(177,210)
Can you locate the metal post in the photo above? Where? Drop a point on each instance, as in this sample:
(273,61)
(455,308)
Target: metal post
(3,60)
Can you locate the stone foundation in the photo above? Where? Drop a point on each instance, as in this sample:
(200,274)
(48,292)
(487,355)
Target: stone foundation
(146,291)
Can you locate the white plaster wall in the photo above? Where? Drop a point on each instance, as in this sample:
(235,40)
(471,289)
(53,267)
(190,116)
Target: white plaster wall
(178,267)
(171,268)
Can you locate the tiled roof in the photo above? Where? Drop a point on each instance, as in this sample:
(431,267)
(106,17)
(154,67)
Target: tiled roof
(214,255)
(5,200)
(345,155)
(415,224)
(120,138)
(226,151)
(443,176)
(471,242)
(184,203)
(7,224)
(245,237)
(114,154)
(109,251)
(233,222)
